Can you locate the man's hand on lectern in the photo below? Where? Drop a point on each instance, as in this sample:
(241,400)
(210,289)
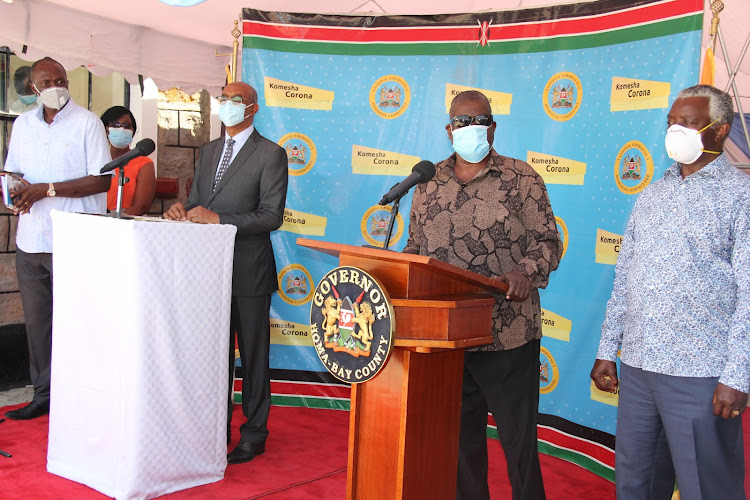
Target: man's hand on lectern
(519,286)
(202,216)
(176,212)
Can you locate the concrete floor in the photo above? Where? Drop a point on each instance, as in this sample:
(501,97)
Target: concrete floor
(16,396)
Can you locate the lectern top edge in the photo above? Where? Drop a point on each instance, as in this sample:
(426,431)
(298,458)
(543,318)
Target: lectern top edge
(336,249)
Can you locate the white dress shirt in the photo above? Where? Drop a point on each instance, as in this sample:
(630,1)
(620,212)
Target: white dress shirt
(74,145)
(239,141)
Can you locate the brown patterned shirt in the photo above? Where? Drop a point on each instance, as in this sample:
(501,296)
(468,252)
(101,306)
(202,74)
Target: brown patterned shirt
(498,222)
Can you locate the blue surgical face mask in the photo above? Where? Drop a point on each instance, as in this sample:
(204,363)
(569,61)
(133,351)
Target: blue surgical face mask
(232,113)
(470,143)
(27,99)
(120,137)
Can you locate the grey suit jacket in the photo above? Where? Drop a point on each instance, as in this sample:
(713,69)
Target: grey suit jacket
(251,196)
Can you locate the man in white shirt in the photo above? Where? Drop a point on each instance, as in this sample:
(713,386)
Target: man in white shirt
(59,149)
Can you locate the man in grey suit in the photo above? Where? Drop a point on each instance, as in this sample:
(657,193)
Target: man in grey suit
(241,179)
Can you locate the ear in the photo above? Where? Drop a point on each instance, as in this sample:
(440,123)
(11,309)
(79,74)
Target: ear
(491,133)
(251,110)
(722,131)
(450,132)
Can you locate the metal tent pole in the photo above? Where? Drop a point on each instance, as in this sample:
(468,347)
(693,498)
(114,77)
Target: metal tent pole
(731,74)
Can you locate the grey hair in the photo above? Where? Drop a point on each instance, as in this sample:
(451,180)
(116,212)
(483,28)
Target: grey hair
(720,106)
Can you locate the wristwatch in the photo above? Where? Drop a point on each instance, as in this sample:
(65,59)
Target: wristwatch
(51,191)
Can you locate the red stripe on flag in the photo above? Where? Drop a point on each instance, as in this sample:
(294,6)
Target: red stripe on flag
(316,390)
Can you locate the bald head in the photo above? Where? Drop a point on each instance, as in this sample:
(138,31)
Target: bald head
(471,97)
(241,88)
(47,64)
(249,101)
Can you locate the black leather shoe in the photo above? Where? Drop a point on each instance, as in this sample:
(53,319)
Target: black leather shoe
(244,452)
(31,410)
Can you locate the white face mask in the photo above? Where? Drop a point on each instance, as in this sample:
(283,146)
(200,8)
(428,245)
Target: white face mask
(54,97)
(684,145)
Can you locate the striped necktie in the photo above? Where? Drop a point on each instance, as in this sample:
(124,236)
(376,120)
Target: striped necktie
(224,162)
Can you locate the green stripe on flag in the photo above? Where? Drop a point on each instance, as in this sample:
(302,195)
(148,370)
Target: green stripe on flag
(631,34)
(579,459)
(303,402)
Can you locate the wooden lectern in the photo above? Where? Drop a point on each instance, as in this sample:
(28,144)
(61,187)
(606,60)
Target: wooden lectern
(404,423)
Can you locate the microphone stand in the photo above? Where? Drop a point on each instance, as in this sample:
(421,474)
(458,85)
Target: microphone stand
(121,180)
(394,214)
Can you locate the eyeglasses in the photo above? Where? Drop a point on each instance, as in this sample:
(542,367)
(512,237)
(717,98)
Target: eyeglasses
(236,99)
(121,125)
(466,120)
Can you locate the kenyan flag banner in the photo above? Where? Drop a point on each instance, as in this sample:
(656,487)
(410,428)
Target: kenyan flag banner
(562,27)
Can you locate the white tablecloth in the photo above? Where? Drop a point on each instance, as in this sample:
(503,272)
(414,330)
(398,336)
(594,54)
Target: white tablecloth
(139,355)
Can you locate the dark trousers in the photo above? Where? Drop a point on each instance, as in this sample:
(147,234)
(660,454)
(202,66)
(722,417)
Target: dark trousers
(707,451)
(249,318)
(505,383)
(34,271)
(663,475)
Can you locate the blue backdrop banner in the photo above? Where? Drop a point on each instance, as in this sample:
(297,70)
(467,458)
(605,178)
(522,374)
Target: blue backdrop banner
(580,92)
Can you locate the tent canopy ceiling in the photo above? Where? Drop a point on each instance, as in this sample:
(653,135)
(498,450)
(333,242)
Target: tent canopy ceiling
(177,46)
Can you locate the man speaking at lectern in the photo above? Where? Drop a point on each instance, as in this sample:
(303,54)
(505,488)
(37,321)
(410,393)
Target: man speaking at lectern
(490,214)
(241,179)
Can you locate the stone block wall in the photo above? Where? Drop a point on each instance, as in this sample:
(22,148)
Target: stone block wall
(11,311)
(184,126)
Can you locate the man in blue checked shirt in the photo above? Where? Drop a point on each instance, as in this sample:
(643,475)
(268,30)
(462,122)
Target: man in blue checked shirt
(680,312)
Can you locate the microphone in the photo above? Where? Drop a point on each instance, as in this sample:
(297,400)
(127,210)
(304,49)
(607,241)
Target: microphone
(422,172)
(144,147)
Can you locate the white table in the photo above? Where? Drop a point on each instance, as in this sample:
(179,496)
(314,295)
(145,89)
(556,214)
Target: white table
(139,355)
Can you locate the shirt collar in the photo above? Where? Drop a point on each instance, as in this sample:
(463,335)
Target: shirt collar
(65,111)
(241,138)
(445,168)
(713,169)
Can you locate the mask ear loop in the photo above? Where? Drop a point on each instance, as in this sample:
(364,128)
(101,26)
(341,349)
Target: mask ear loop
(704,128)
